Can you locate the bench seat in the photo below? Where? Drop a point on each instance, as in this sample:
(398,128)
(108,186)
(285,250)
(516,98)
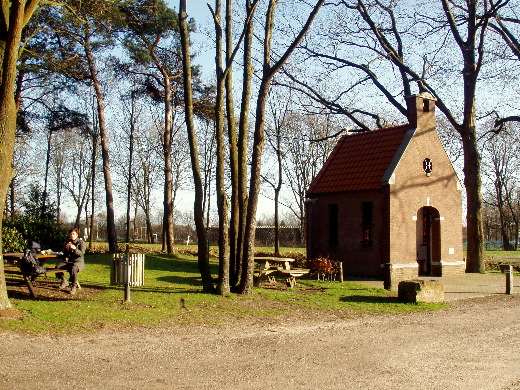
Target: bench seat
(291,275)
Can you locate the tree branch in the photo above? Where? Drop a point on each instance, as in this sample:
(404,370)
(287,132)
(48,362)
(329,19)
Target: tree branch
(298,39)
(331,105)
(507,36)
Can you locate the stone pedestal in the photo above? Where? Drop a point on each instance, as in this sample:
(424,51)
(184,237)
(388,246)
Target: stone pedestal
(421,291)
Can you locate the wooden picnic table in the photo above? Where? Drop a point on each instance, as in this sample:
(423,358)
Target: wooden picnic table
(265,262)
(12,257)
(267,268)
(12,267)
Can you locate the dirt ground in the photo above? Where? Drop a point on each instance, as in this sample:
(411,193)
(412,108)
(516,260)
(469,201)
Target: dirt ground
(473,345)
(45,287)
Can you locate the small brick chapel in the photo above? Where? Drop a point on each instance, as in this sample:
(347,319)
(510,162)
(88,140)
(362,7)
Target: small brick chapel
(389,196)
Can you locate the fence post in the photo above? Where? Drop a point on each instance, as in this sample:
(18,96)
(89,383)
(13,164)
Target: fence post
(509,278)
(388,276)
(128,273)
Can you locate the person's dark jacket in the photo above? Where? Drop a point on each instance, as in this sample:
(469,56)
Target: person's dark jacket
(76,255)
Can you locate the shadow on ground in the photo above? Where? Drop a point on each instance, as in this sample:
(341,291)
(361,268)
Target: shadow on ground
(369,299)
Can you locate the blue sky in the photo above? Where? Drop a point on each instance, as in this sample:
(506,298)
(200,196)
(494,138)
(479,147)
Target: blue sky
(198,9)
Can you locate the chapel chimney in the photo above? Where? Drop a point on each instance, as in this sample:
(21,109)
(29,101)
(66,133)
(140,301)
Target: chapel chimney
(421,110)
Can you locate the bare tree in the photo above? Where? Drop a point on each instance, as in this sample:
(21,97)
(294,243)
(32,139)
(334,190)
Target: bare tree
(274,139)
(73,170)
(130,177)
(269,70)
(386,35)
(507,25)
(308,141)
(198,209)
(67,154)
(147,166)
(501,166)
(152,40)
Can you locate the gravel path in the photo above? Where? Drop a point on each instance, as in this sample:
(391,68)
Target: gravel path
(473,345)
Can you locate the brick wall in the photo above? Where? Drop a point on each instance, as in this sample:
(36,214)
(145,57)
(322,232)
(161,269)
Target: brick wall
(413,190)
(397,211)
(359,259)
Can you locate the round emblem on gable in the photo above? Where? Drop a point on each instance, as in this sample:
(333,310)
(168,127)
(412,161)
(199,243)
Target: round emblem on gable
(427,165)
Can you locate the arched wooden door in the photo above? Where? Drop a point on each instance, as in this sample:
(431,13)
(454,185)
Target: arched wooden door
(429,245)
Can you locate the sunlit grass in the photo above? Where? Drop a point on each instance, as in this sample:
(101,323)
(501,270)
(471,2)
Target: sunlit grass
(172,292)
(347,296)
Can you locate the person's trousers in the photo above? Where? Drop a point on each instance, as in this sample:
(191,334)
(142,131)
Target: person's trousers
(71,268)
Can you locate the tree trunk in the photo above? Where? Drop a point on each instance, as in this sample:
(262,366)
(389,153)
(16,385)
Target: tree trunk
(147,213)
(506,245)
(472,159)
(93,189)
(276,223)
(472,182)
(149,229)
(246,283)
(168,244)
(198,210)
(19,13)
(59,190)
(147,203)
(514,216)
(130,167)
(46,177)
(277,191)
(109,197)
(7,135)
(243,136)
(233,152)
(222,202)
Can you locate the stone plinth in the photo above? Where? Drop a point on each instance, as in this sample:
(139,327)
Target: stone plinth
(421,291)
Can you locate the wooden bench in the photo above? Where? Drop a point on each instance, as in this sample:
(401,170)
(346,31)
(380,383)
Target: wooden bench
(504,262)
(508,260)
(291,275)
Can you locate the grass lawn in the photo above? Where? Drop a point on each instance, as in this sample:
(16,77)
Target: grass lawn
(496,257)
(172,293)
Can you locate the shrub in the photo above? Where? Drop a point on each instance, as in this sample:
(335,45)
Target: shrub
(49,234)
(300,259)
(12,240)
(322,266)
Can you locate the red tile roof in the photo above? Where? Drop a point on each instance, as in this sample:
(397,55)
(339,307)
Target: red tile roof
(358,161)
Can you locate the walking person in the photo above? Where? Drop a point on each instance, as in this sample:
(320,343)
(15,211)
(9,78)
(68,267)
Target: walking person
(73,262)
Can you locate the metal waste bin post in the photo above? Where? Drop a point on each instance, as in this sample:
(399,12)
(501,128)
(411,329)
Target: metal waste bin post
(127,269)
